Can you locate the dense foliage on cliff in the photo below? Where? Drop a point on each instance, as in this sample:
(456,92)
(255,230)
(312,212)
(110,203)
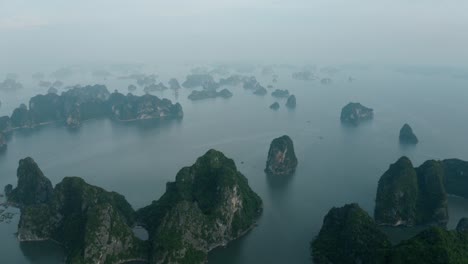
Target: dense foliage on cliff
(412,196)
(348,235)
(209,204)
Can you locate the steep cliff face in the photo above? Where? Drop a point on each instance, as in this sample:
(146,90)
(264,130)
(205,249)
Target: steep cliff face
(456,177)
(432,203)
(348,235)
(355,113)
(208,205)
(93,225)
(281,157)
(33,187)
(409,196)
(407,135)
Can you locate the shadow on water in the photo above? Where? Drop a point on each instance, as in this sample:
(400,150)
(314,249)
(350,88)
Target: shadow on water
(43,252)
(278,185)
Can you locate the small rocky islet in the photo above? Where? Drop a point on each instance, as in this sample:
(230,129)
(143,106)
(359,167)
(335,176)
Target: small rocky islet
(209,204)
(206,94)
(281,159)
(356,113)
(407,135)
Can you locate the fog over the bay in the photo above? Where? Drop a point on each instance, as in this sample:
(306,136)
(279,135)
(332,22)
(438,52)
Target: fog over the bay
(56,32)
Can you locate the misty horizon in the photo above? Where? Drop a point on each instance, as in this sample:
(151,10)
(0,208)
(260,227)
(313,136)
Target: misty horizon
(38,34)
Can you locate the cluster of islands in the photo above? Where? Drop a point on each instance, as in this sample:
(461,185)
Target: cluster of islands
(210,203)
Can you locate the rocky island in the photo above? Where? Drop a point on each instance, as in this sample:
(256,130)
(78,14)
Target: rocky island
(92,224)
(260,91)
(10,84)
(349,235)
(291,102)
(280,93)
(79,104)
(82,103)
(274,106)
(407,135)
(155,87)
(209,204)
(411,196)
(198,80)
(232,80)
(355,113)
(456,177)
(174,84)
(251,83)
(281,158)
(205,94)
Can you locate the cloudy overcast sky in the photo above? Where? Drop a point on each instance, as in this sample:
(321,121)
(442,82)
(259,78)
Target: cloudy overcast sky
(318,31)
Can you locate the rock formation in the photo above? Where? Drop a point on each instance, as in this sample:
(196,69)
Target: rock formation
(412,196)
(209,204)
(83,103)
(407,136)
(456,177)
(355,113)
(291,102)
(93,225)
(260,91)
(205,94)
(348,235)
(281,158)
(155,87)
(275,106)
(174,84)
(280,93)
(197,80)
(33,187)
(10,84)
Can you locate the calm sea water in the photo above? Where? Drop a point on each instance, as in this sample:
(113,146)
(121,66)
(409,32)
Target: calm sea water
(337,164)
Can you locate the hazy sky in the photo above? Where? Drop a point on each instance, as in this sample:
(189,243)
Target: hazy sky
(37,32)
